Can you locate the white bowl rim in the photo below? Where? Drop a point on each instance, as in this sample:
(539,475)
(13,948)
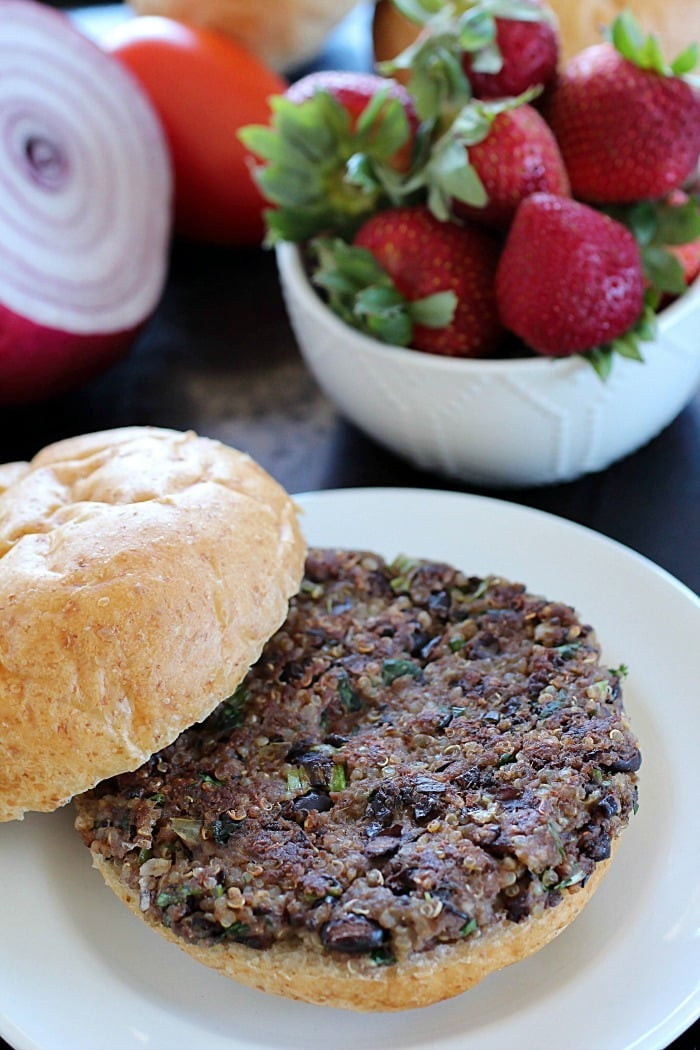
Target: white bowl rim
(289,260)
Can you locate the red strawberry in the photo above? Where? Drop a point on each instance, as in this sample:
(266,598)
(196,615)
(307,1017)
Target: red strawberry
(570,278)
(529,52)
(688,256)
(333,141)
(354,91)
(424,256)
(688,253)
(517,157)
(627,131)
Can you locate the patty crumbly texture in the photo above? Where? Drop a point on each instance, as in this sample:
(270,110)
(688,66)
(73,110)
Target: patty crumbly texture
(418,758)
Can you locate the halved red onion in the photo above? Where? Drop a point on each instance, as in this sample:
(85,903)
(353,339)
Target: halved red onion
(85,204)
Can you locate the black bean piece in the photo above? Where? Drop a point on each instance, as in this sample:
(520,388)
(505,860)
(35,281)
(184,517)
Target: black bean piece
(352,934)
(629,762)
(608,805)
(312,800)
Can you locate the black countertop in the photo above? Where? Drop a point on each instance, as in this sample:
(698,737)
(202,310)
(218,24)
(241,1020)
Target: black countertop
(219,357)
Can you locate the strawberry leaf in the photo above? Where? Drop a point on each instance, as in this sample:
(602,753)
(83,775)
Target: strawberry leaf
(657,225)
(628,38)
(446,172)
(437,79)
(434,311)
(663,270)
(363,294)
(320,171)
(685,62)
(601,358)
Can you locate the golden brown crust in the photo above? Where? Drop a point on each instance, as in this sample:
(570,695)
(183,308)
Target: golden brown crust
(141,573)
(298,972)
(675,24)
(282,34)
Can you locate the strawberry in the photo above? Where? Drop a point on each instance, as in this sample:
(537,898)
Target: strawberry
(525,53)
(331,139)
(688,255)
(354,92)
(483,48)
(684,246)
(570,278)
(436,276)
(513,155)
(628,125)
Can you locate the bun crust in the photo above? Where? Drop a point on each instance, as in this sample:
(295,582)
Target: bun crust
(676,24)
(312,977)
(283,34)
(141,572)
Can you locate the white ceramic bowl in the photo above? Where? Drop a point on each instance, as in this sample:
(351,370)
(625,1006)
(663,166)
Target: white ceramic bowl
(529,421)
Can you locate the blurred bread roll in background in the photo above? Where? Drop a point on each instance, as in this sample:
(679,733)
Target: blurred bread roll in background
(283,34)
(675,22)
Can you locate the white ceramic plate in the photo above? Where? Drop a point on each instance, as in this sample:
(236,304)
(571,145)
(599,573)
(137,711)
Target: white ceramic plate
(78,971)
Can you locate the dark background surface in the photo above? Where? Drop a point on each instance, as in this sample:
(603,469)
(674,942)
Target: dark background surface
(219,357)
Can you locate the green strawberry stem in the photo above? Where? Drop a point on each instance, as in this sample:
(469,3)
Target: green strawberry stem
(644,51)
(657,225)
(321,172)
(601,358)
(363,294)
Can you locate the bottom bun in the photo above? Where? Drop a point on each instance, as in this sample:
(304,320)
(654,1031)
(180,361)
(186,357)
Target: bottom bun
(421,781)
(298,972)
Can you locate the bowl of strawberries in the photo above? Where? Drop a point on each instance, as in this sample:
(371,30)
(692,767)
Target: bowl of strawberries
(490,263)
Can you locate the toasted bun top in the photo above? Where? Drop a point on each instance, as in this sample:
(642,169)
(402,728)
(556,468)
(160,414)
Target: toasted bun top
(283,34)
(141,572)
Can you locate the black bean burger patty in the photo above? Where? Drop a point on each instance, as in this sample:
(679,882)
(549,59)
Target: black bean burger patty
(417,757)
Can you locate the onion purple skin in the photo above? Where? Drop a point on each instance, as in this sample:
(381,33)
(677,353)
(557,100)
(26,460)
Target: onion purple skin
(37,362)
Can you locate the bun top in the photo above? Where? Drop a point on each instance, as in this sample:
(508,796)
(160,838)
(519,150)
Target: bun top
(141,572)
(283,34)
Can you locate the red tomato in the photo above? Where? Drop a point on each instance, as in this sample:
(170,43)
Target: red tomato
(204,86)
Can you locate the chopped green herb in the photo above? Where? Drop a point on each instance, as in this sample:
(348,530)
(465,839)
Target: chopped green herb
(620,672)
(382,956)
(403,569)
(348,697)
(338,780)
(469,928)
(237,930)
(455,644)
(144,855)
(551,707)
(158,798)
(297,780)
(505,760)
(313,590)
(207,778)
(393,669)
(568,650)
(229,714)
(177,895)
(578,876)
(556,835)
(480,588)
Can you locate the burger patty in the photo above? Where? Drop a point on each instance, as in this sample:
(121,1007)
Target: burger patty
(417,757)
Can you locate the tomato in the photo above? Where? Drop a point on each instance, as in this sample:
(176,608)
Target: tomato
(204,86)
